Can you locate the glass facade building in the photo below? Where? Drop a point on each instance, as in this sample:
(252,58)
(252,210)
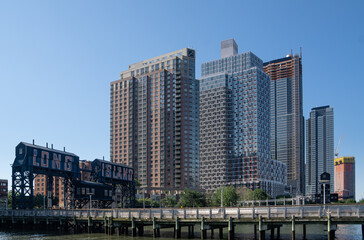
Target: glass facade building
(235,124)
(319,148)
(287,121)
(154,122)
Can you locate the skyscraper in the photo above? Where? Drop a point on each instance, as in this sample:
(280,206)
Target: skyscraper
(345,177)
(287,121)
(235,124)
(154,121)
(319,148)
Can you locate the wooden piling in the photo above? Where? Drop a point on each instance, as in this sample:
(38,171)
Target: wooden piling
(278,232)
(154,227)
(230,229)
(293,228)
(203,230)
(304,231)
(89,224)
(272,233)
(221,232)
(261,231)
(212,233)
(133,227)
(329,230)
(178,229)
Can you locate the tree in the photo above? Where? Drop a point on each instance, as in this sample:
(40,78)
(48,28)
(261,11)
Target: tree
(243,193)
(10,199)
(230,196)
(350,200)
(361,200)
(169,201)
(137,183)
(192,198)
(258,194)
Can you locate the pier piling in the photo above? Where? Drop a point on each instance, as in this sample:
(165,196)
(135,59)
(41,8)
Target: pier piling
(293,228)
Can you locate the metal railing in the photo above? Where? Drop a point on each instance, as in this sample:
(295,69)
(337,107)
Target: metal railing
(336,211)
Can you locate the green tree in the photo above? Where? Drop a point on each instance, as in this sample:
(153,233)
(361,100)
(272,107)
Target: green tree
(361,200)
(243,193)
(350,200)
(137,183)
(258,194)
(191,198)
(10,199)
(283,196)
(230,196)
(169,201)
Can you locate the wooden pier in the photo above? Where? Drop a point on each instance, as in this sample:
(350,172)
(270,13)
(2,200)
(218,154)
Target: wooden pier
(212,220)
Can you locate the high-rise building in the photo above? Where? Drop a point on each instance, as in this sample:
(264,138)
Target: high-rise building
(345,177)
(319,148)
(154,122)
(235,124)
(287,121)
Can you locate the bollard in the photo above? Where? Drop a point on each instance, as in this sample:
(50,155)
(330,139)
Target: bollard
(293,228)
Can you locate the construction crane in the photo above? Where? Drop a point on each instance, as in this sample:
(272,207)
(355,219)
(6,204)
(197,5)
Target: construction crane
(338,145)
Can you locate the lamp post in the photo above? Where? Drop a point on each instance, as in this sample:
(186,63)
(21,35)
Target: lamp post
(144,198)
(324,194)
(90,194)
(222,197)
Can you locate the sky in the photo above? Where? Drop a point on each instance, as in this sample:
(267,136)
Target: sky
(57,59)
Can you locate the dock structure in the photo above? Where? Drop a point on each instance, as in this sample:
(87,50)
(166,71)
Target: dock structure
(119,221)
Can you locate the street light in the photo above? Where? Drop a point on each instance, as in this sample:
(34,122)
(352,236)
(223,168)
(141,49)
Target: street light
(90,199)
(144,198)
(324,194)
(222,198)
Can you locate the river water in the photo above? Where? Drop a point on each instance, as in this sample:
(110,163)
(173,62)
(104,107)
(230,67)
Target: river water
(344,232)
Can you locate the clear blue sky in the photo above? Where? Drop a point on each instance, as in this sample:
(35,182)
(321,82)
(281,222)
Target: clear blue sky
(57,59)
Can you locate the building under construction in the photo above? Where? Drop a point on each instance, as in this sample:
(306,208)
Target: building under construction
(287,121)
(345,177)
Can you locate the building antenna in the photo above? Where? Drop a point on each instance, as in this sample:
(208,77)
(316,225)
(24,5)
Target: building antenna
(301,52)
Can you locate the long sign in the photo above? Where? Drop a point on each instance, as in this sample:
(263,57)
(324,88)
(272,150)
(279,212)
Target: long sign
(42,158)
(52,160)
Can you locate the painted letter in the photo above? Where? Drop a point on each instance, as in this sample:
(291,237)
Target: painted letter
(68,163)
(44,159)
(35,153)
(56,161)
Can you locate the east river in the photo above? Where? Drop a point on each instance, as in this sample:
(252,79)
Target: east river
(344,232)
